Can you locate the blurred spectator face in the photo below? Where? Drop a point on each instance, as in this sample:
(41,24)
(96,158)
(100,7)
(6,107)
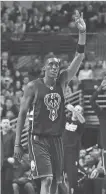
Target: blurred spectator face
(10,115)
(35,19)
(5,17)
(48,9)
(37,61)
(9,104)
(90,8)
(18,84)
(88,159)
(47,18)
(99,64)
(58,7)
(7,82)
(26,80)
(7,73)
(33,4)
(19,19)
(19,94)
(7,93)
(4,56)
(17,73)
(3,91)
(24,13)
(95,152)
(86,66)
(35,11)
(5,125)
(11,26)
(16,4)
(82,153)
(47,28)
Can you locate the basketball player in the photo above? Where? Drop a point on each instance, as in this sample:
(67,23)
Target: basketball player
(72,138)
(47,97)
(101,113)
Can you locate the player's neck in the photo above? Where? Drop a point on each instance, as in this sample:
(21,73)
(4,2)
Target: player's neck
(49,81)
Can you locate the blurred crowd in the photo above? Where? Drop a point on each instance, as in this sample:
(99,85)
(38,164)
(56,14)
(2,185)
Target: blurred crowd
(50,17)
(13,81)
(90,161)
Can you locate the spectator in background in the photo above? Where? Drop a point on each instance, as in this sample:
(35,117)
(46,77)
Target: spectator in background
(24,14)
(72,143)
(5,22)
(33,25)
(46,24)
(3,8)
(91,17)
(17,86)
(58,19)
(8,83)
(18,76)
(98,71)
(102,14)
(6,63)
(25,82)
(21,183)
(104,67)
(20,28)
(85,73)
(10,109)
(101,113)
(8,73)
(7,26)
(15,11)
(7,169)
(17,98)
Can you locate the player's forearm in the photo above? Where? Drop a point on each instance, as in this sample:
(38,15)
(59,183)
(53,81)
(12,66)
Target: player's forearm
(82,38)
(20,126)
(75,64)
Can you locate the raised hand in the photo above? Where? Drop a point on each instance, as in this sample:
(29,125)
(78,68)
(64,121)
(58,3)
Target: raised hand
(79,21)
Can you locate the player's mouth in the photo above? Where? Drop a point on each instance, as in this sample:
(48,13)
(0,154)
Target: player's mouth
(54,73)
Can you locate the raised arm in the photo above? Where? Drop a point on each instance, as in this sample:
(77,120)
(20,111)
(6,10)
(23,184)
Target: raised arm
(68,75)
(25,103)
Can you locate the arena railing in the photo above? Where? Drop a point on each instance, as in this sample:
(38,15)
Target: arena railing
(42,43)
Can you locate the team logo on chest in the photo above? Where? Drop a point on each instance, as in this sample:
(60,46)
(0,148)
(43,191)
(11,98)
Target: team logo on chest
(52,101)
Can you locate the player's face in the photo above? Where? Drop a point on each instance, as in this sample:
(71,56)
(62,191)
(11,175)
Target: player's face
(52,69)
